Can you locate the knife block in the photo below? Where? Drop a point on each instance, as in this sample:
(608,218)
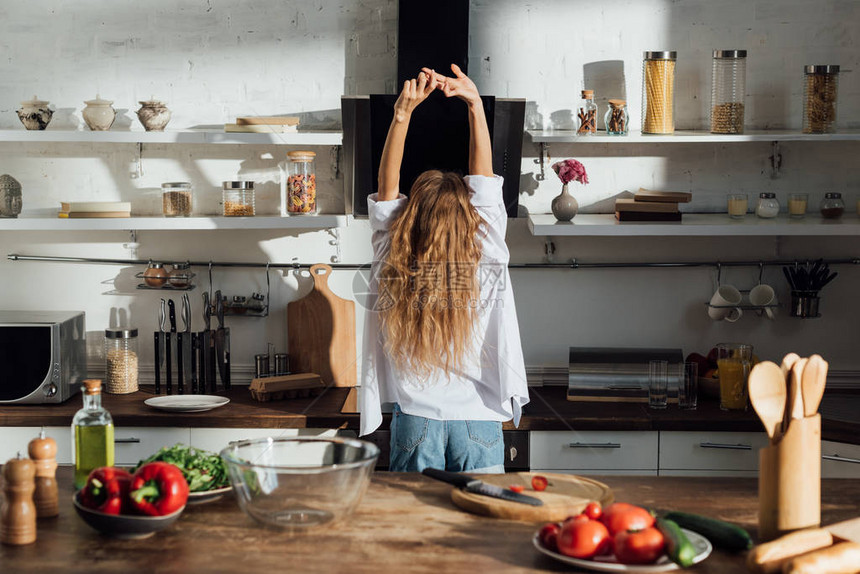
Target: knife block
(789,480)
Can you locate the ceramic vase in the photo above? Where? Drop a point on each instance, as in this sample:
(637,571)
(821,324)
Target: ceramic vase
(99,115)
(565,206)
(154,115)
(34,114)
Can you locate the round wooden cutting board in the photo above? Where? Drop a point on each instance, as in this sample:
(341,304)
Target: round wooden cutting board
(566,495)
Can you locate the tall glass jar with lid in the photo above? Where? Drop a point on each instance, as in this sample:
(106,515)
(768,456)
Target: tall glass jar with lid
(658,92)
(820,88)
(301,193)
(728,87)
(177,199)
(121,361)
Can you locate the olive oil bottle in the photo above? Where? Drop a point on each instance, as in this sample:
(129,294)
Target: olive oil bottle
(92,434)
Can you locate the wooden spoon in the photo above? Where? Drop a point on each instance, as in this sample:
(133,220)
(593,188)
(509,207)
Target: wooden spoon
(768,395)
(787,362)
(795,394)
(814,379)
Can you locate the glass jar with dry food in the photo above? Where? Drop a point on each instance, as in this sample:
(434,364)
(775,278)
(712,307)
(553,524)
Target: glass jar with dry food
(616,118)
(728,87)
(155,274)
(301,183)
(820,87)
(768,205)
(587,114)
(121,361)
(238,198)
(832,206)
(658,92)
(180,275)
(176,199)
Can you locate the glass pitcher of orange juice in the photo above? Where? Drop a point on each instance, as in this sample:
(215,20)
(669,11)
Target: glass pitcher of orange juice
(733,365)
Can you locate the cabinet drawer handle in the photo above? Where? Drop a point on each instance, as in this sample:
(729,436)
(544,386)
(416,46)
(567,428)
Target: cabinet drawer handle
(126,440)
(725,446)
(837,458)
(595,445)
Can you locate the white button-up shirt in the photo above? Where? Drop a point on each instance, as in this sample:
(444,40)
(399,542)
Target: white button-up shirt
(492,386)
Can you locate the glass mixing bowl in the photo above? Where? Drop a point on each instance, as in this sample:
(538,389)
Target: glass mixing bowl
(297,483)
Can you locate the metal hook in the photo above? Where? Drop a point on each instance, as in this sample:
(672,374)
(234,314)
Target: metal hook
(760,271)
(719,273)
(210,278)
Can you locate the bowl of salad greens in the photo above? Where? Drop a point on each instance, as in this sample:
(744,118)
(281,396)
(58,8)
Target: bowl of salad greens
(204,471)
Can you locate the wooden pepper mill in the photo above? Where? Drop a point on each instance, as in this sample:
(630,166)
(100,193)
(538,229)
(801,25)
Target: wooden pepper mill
(18,513)
(43,452)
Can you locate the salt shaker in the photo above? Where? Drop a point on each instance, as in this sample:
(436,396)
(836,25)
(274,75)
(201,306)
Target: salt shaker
(18,513)
(43,453)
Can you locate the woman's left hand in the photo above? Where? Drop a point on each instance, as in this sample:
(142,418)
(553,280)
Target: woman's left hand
(414,92)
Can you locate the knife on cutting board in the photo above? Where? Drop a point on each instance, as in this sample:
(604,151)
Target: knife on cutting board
(472,484)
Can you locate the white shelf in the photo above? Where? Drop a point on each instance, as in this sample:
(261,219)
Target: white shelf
(182,137)
(569,136)
(698,224)
(309,222)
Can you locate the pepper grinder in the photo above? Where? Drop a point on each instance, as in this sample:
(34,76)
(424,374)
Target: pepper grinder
(18,513)
(43,452)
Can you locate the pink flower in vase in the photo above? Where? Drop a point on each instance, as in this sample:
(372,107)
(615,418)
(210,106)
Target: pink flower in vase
(570,170)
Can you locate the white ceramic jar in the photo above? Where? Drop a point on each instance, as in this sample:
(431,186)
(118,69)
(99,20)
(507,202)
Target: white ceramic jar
(34,114)
(99,114)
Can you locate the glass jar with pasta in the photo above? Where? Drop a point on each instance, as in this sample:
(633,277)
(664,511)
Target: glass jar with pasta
(301,183)
(658,92)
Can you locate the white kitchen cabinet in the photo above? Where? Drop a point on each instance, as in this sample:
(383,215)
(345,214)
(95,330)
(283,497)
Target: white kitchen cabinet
(840,460)
(132,444)
(710,453)
(15,439)
(594,452)
(215,439)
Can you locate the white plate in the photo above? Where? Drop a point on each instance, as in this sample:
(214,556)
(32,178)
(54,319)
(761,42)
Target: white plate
(187,403)
(610,564)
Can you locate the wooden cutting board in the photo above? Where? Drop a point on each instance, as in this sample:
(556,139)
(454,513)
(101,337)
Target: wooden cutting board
(847,530)
(321,333)
(566,495)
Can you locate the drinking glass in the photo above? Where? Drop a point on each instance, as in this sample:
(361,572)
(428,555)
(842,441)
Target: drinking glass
(688,385)
(797,203)
(733,366)
(658,384)
(737,205)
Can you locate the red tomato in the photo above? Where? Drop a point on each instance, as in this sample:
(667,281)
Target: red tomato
(539,483)
(548,536)
(577,517)
(583,538)
(620,517)
(517,487)
(639,546)
(594,511)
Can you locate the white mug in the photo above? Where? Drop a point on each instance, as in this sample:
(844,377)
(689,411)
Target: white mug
(762,295)
(723,304)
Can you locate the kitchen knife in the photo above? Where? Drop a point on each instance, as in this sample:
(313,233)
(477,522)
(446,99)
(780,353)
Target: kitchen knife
(220,340)
(195,347)
(208,366)
(159,346)
(170,344)
(472,484)
(185,338)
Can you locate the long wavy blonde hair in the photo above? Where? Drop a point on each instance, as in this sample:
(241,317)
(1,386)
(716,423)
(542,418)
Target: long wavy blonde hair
(429,281)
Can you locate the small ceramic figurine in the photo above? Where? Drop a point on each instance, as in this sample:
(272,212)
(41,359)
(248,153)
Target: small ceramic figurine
(10,196)
(34,114)
(154,115)
(99,114)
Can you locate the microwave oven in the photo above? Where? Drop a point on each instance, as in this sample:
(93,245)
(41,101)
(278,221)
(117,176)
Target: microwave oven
(43,356)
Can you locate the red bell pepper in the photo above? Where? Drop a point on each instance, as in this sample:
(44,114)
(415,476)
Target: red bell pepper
(158,488)
(106,490)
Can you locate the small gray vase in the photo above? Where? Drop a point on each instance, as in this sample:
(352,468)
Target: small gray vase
(565,206)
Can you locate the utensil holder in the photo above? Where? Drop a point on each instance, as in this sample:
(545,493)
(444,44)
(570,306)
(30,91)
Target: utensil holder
(804,304)
(789,480)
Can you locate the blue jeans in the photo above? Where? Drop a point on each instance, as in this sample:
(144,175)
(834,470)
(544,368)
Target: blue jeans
(456,446)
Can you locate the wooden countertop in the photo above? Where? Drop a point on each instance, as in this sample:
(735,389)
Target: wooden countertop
(405,523)
(548,410)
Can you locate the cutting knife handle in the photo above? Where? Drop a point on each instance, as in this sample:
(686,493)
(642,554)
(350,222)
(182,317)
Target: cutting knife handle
(171,311)
(194,347)
(168,364)
(455,478)
(157,364)
(180,367)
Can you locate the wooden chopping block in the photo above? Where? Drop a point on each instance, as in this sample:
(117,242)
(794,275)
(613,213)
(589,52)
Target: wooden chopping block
(321,332)
(847,530)
(285,387)
(566,495)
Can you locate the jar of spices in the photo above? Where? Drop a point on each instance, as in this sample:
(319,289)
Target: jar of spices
(587,114)
(155,275)
(238,198)
(728,86)
(768,206)
(820,88)
(616,118)
(121,361)
(180,276)
(658,92)
(832,206)
(301,183)
(176,199)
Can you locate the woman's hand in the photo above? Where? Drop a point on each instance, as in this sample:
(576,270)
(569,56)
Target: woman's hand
(414,92)
(460,85)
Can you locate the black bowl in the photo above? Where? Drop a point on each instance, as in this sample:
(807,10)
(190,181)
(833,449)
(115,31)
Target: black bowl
(125,526)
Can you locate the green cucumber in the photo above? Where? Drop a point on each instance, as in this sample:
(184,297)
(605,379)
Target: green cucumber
(678,546)
(721,534)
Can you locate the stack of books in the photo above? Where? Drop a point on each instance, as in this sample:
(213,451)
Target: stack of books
(82,209)
(651,206)
(264,125)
